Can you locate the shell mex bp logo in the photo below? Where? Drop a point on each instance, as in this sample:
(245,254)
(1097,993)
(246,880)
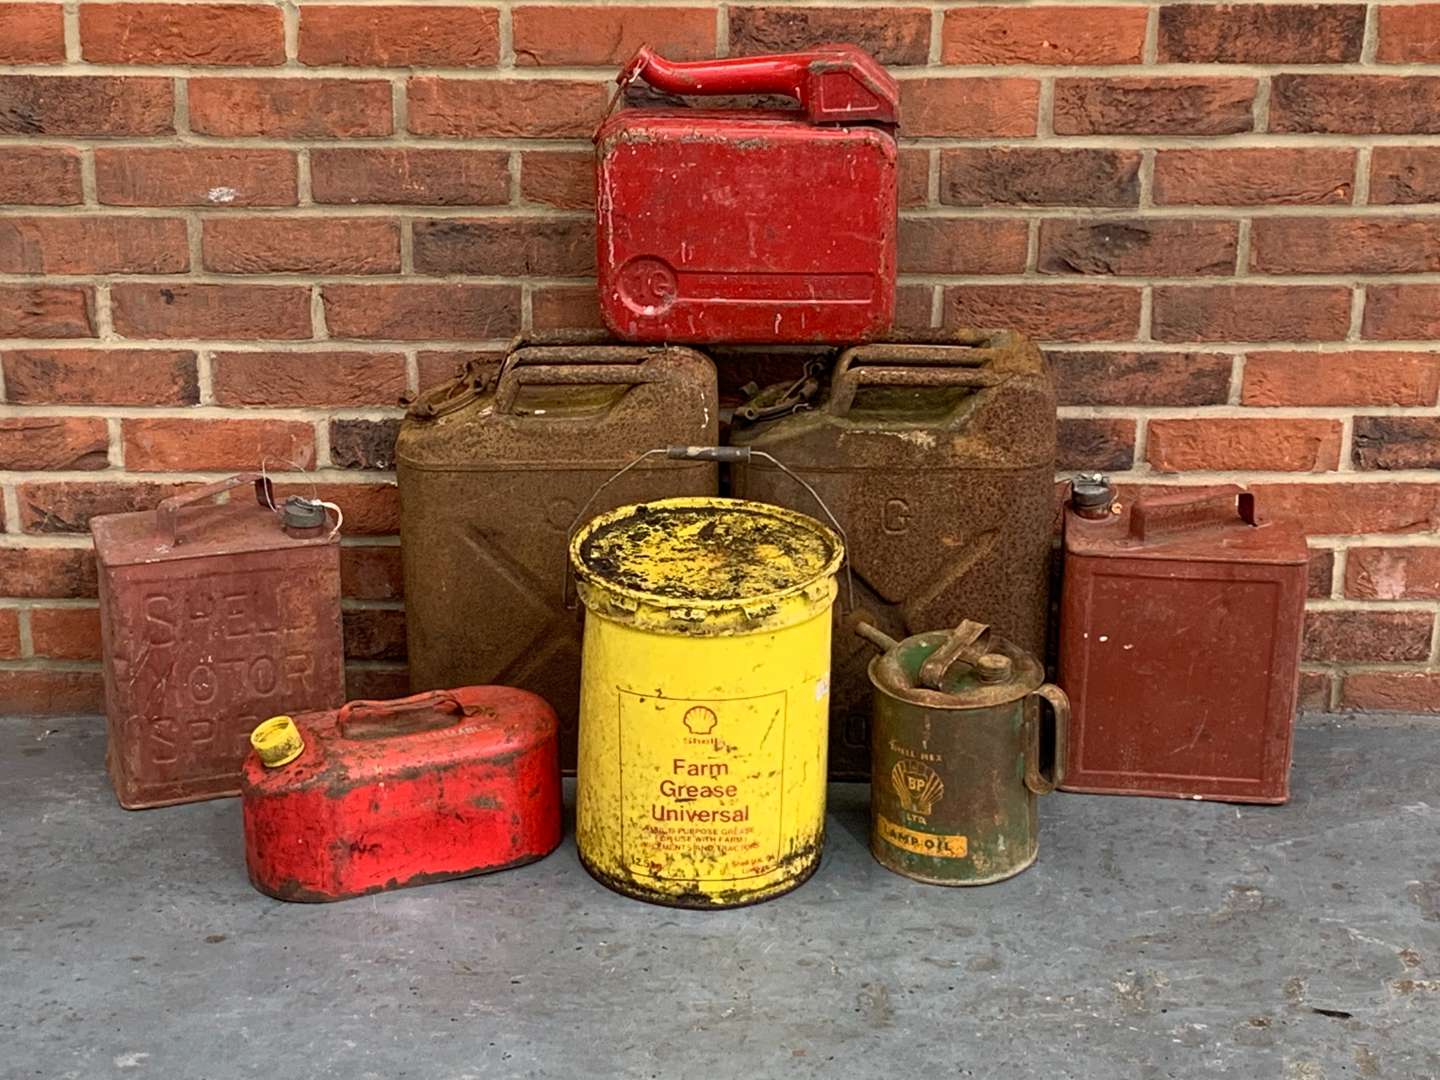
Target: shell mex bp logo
(918,785)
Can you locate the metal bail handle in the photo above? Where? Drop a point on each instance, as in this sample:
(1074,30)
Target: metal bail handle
(732,455)
(167,514)
(1035,780)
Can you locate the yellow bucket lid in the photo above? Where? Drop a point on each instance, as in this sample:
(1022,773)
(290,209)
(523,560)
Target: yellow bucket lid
(705,554)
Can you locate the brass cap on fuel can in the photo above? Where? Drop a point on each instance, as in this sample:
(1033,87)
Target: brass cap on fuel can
(993,668)
(277,741)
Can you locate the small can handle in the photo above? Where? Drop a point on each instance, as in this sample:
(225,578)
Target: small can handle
(833,84)
(167,514)
(1156,515)
(369,719)
(1035,780)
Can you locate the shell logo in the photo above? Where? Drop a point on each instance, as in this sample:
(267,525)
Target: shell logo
(700,720)
(918,785)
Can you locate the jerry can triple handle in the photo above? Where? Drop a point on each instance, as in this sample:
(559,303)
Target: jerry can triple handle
(812,78)
(366,719)
(167,514)
(621,371)
(1035,780)
(1158,514)
(914,367)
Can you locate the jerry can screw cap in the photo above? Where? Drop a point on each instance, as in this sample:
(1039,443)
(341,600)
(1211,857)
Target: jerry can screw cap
(298,512)
(1091,494)
(277,741)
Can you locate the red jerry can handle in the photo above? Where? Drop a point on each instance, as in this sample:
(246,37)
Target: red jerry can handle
(1158,515)
(167,514)
(835,84)
(430,711)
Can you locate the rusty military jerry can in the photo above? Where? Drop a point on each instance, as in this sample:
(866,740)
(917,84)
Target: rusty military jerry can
(383,794)
(492,475)
(1180,632)
(212,618)
(758,225)
(957,754)
(938,460)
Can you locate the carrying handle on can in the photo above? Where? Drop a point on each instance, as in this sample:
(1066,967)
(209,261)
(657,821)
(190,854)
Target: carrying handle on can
(167,514)
(553,365)
(967,642)
(834,84)
(732,455)
(909,366)
(1156,515)
(1035,780)
(366,719)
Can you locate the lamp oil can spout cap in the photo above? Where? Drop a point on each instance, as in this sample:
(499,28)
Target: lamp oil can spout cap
(277,742)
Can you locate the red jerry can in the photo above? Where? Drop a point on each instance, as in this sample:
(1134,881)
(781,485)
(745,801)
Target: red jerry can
(751,225)
(382,794)
(1180,629)
(212,617)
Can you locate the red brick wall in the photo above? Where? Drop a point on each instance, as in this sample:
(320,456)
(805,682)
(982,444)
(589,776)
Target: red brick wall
(233,230)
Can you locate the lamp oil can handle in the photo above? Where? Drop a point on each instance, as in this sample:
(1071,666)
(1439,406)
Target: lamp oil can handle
(167,514)
(967,642)
(834,84)
(1035,780)
(369,720)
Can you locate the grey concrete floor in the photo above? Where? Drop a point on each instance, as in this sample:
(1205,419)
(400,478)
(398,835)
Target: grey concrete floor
(1152,939)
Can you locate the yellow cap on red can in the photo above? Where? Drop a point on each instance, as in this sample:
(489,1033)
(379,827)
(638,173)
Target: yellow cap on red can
(277,741)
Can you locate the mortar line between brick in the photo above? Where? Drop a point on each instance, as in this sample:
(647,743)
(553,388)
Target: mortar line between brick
(1142,438)
(1337,572)
(937,36)
(1242,248)
(507,35)
(26,633)
(1032,245)
(1145,178)
(722,29)
(527,307)
(1357,314)
(1261,108)
(205,376)
(1370,43)
(182,108)
(1237,380)
(290,12)
(104,326)
(937,307)
(11,501)
(71,30)
(1145,328)
(304,189)
(399,106)
(412,371)
(318,330)
(322,443)
(88,195)
(116,440)
(1176,212)
(1151,48)
(1045,109)
(932,178)
(1347,444)
(407,246)
(1362,177)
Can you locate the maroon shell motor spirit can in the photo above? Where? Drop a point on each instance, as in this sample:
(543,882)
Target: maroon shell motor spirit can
(1180,630)
(759,225)
(213,617)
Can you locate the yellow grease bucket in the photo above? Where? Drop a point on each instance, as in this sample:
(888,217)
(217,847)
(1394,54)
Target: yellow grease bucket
(705,691)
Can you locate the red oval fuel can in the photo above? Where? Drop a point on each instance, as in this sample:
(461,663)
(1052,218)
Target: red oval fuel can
(751,225)
(383,794)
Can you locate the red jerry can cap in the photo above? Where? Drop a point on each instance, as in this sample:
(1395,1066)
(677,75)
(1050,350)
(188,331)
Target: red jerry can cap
(834,84)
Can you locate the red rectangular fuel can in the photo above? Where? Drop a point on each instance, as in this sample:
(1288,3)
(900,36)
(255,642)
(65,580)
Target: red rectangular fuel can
(751,225)
(212,618)
(1181,621)
(382,794)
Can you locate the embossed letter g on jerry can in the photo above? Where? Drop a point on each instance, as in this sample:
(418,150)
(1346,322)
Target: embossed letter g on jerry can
(382,794)
(957,754)
(212,618)
(751,225)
